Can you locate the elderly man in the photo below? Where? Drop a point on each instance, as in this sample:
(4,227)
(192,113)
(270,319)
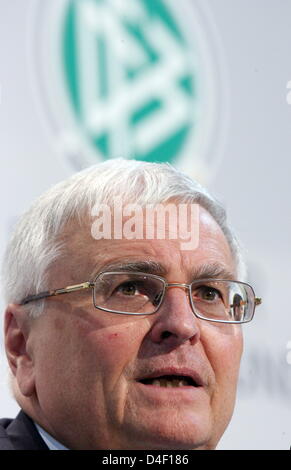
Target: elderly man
(117,339)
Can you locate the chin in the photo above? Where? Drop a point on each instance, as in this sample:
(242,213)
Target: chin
(169,436)
(172,443)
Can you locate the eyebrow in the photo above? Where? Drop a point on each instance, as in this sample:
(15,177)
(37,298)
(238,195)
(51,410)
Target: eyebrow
(205,271)
(145,266)
(212,271)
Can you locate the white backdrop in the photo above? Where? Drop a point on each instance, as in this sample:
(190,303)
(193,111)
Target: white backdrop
(252,180)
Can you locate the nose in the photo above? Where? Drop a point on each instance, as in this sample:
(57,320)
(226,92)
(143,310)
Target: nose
(175,322)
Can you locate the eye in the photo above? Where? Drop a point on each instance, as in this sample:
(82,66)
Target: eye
(210,294)
(127,288)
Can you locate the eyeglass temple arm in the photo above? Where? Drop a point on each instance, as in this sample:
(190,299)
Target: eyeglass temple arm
(258,301)
(50,293)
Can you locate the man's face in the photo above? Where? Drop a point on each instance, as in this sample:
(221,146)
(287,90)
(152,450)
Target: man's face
(90,366)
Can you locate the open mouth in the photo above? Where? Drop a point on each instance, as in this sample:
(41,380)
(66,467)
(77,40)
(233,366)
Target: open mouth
(170,381)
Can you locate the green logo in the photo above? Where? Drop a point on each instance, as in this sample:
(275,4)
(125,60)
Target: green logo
(132,86)
(143,79)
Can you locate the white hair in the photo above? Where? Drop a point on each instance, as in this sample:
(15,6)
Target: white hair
(35,243)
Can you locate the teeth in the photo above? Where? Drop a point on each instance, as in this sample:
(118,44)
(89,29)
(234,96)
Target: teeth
(183,383)
(156,382)
(169,383)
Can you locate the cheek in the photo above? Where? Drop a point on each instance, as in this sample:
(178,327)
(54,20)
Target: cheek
(88,360)
(223,347)
(112,349)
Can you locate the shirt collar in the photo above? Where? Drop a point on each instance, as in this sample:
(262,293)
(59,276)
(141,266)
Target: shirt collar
(52,443)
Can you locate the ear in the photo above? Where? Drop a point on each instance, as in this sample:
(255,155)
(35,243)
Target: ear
(16,332)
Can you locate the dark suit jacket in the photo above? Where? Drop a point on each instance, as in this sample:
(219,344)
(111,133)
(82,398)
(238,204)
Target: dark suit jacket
(20,434)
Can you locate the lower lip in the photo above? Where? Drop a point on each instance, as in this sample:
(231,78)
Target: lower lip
(184,393)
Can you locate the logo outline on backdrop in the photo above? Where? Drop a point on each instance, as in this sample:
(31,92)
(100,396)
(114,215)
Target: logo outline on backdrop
(200,153)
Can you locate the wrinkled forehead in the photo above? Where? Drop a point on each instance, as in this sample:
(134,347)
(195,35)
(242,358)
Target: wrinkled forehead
(85,255)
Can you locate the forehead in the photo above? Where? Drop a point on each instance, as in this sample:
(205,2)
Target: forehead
(87,256)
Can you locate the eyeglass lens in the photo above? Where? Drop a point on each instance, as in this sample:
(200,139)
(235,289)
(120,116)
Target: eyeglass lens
(127,292)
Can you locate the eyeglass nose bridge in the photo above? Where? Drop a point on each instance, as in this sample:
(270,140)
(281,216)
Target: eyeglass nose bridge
(179,284)
(160,298)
